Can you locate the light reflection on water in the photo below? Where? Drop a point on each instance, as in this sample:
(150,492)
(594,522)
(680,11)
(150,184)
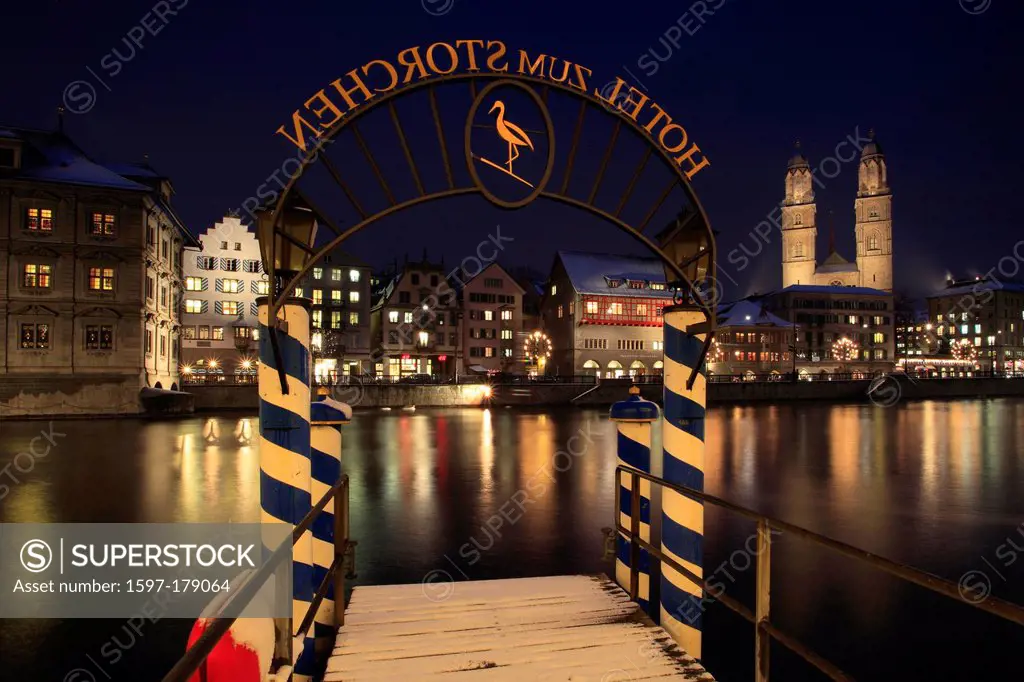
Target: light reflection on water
(935,484)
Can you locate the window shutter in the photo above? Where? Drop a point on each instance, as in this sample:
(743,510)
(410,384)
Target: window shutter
(254,309)
(218,307)
(220,286)
(205,284)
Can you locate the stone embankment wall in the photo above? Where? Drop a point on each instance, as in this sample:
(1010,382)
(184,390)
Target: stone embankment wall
(47,396)
(396,396)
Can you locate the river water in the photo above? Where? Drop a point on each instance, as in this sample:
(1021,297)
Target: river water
(939,485)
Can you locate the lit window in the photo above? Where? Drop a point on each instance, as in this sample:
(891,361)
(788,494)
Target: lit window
(35,336)
(318,273)
(193,305)
(298,292)
(353,318)
(977,329)
(963,329)
(353,275)
(615,309)
(353,296)
(592,307)
(229,307)
(489,315)
(230,286)
(658,345)
(101,279)
(964,317)
(408,318)
(991,341)
(977,340)
(554,289)
(879,337)
(335,295)
(336,274)
(194,283)
(488,351)
(103,224)
(218,333)
(318,296)
(506,314)
(39,220)
(393,316)
(424,338)
(658,286)
(336,319)
(317,341)
(641,309)
(559,312)
(37,276)
(263,288)
(318,319)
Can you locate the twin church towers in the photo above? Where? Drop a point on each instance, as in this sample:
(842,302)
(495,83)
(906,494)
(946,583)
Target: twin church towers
(873,209)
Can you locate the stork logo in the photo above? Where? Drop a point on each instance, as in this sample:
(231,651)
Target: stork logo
(511,132)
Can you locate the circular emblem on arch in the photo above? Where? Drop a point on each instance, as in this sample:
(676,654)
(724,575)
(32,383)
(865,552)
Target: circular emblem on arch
(510,144)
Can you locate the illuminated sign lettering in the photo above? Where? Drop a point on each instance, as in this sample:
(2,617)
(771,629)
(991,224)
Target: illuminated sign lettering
(329,105)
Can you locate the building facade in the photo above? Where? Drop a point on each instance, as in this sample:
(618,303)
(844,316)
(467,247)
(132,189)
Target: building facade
(91,277)
(492,323)
(751,342)
(841,330)
(873,215)
(339,288)
(221,281)
(414,323)
(603,315)
(985,314)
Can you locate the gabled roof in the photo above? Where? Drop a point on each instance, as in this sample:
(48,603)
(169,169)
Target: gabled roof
(746,313)
(977,287)
(590,273)
(50,156)
(512,279)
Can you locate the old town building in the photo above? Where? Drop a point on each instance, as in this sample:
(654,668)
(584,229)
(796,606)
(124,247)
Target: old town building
(603,314)
(414,323)
(751,342)
(873,215)
(222,280)
(492,322)
(986,314)
(91,260)
(841,330)
(339,288)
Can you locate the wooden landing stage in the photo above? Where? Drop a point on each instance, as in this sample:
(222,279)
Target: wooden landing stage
(578,628)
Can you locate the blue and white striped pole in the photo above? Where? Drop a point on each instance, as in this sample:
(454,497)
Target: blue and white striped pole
(682,520)
(284,451)
(327,416)
(634,418)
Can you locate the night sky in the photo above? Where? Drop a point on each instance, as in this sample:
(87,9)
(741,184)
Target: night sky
(934,78)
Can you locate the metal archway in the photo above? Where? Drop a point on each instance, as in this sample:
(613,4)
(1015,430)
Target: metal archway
(689,236)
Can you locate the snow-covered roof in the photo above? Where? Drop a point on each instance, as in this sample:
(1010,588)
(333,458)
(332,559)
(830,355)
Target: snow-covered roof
(979,286)
(746,313)
(816,289)
(50,156)
(135,170)
(591,273)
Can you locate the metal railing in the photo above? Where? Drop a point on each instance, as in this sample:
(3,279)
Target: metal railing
(764,630)
(812,376)
(344,554)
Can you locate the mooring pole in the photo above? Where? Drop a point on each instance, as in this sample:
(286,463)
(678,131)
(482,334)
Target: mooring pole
(327,418)
(634,418)
(682,521)
(284,449)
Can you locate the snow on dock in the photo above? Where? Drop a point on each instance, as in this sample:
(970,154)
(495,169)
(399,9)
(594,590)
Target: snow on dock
(579,628)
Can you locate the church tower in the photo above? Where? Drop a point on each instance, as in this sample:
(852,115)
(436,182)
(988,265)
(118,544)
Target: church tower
(798,229)
(873,209)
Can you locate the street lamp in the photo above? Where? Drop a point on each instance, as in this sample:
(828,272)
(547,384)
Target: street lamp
(286,235)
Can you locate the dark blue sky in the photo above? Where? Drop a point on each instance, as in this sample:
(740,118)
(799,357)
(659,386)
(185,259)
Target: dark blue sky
(204,96)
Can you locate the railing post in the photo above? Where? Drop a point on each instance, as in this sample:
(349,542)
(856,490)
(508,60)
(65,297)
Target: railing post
(284,452)
(682,521)
(762,639)
(327,418)
(634,419)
